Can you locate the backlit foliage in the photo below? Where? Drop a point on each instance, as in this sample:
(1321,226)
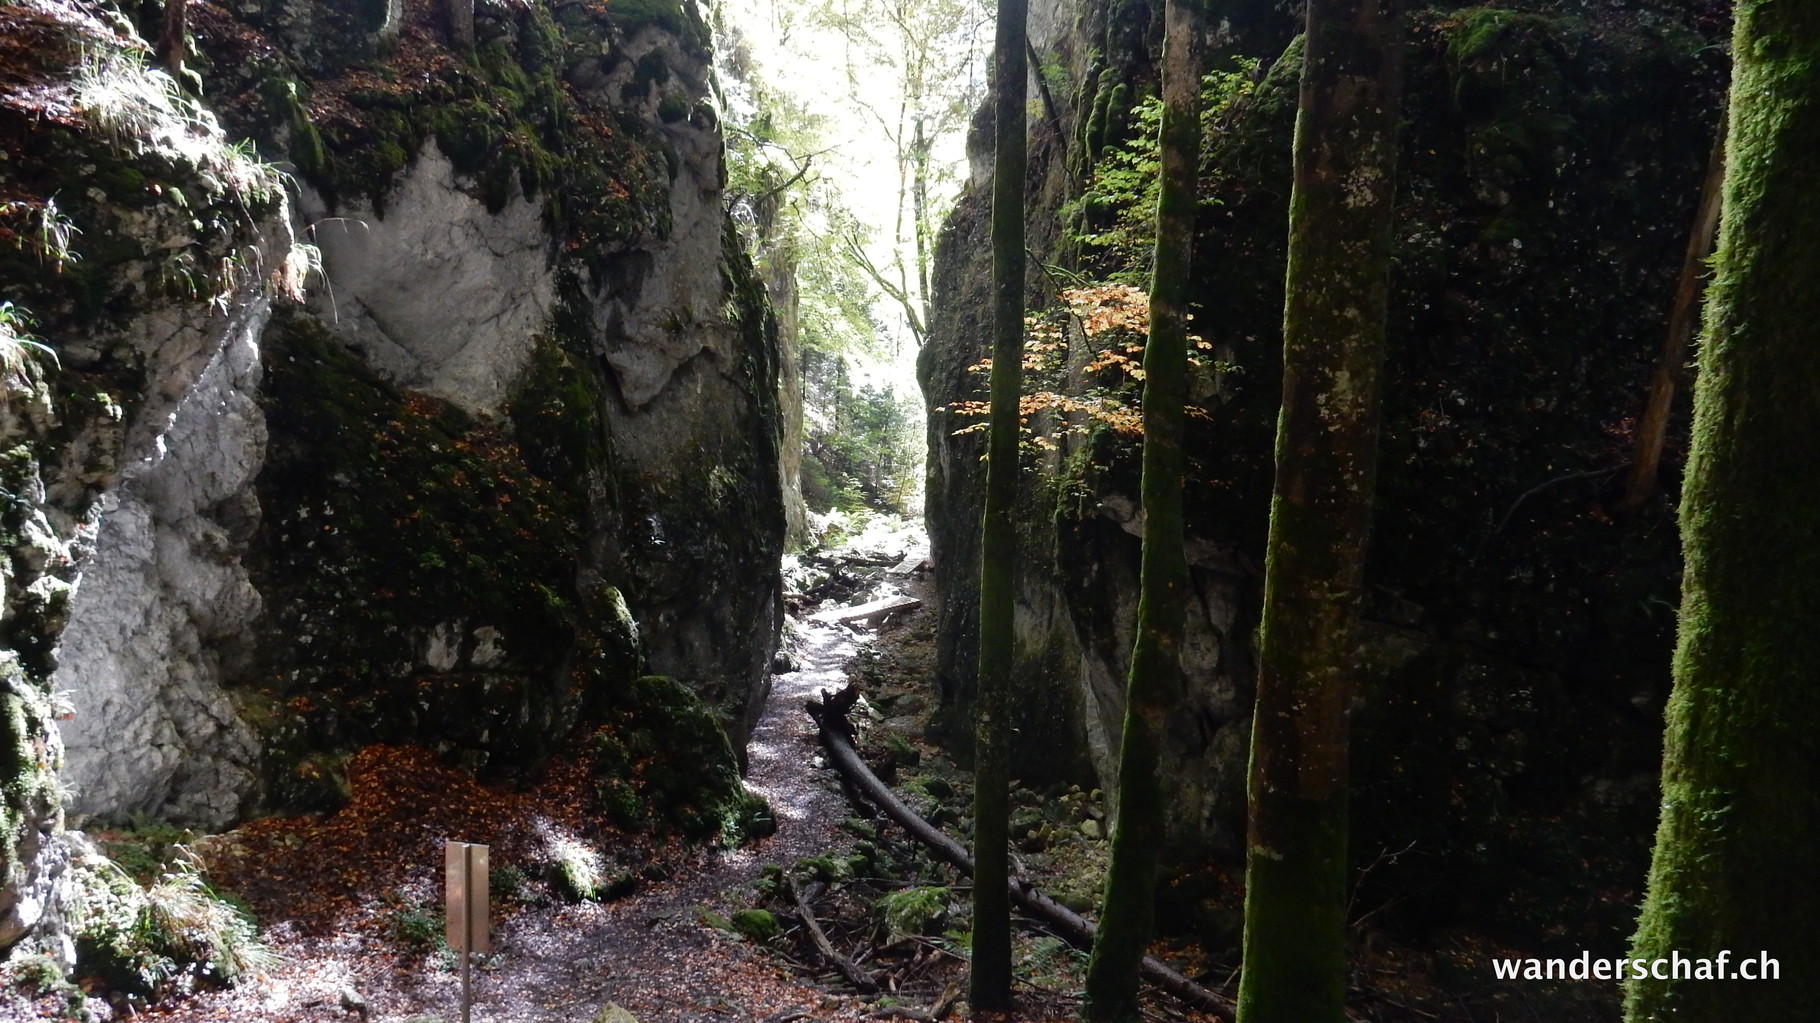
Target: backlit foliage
(1116,212)
(1084,359)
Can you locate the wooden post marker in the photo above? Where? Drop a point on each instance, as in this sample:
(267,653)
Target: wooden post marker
(465,866)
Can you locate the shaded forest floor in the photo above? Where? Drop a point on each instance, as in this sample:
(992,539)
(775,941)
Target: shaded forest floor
(353,902)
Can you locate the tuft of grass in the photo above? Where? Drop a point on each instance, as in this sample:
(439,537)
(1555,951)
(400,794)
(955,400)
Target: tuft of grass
(299,263)
(142,109)
(19,351)
(48,231)
(191,923)
(579,873)
(175,935)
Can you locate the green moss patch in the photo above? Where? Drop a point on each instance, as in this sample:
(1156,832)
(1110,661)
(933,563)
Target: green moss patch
(397,523)
(662,759)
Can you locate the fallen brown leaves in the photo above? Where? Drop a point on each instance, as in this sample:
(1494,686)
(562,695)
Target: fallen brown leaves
(324,874)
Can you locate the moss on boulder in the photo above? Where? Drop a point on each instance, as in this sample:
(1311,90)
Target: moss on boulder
(421,573)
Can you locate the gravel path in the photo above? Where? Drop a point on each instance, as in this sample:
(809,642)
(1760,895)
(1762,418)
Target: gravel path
(651,954)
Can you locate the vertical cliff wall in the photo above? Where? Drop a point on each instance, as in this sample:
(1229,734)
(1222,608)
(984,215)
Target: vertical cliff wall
(1518,622)
(142,255)
(496,437)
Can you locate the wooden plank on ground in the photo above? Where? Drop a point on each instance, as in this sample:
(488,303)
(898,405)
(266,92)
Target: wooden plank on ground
(913,560)
(867,612)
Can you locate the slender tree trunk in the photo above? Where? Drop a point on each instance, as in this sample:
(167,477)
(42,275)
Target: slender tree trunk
(1320,516)
(461,23)
(919,198)
(990,981)
(1652,429)
(173,42)
(1154,684)
(1738,847)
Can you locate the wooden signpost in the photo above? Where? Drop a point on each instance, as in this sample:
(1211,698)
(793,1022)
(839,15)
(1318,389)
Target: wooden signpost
(465,867)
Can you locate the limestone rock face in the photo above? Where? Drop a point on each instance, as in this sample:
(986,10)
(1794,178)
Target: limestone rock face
(161,613)
(514,446)
(697,420)
(661,304)
(438,294)
(36,908)
(125,460)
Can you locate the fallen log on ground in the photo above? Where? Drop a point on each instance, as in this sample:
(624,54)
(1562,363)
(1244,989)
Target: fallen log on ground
(830,714)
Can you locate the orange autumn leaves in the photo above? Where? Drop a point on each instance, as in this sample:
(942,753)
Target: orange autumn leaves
(1083,361)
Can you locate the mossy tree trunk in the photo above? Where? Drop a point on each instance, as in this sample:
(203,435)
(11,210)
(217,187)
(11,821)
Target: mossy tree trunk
(1154,683)
(989,984)
(1320,515)
(1738,847)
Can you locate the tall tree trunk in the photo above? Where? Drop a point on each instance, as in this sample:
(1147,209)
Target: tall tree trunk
(1738,847)
(1320,515)
(461,23)
(1154,683)
(919,198)
(990,980)
(173,42)
(1652,429)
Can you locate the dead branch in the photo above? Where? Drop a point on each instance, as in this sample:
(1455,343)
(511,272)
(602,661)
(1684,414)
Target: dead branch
(1683,320)
(938,1011)
(855,975)
(830,714)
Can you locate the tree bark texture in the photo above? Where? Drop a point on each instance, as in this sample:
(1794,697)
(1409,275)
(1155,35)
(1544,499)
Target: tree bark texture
(1737,858)
(989,985)
(173,41)
(1333,342)
(1154,683)
(1652,427)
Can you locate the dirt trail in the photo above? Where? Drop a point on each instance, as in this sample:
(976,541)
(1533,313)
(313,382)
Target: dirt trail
(654,953)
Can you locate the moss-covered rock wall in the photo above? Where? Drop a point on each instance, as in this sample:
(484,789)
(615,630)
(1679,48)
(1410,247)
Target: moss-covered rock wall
(539,384)
(1519,621)
(489,462)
